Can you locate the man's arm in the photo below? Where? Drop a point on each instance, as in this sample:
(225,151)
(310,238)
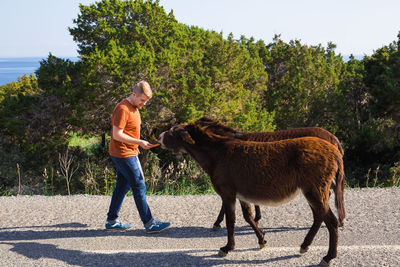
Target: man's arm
(119,135)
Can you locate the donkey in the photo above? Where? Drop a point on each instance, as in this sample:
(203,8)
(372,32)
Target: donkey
(265,173)
(223,129)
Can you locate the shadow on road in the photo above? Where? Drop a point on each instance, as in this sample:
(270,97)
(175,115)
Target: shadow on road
(172,232)
(36,251)
(61,225)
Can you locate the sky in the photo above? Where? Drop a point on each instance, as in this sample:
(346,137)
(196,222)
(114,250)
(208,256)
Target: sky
(35,28)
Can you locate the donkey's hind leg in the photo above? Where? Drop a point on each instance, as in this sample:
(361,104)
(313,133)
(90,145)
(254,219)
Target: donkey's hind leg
(311,233)
(248,216)
(322,212)
(332,224)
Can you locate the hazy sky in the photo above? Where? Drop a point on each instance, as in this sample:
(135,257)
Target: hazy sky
(37,27)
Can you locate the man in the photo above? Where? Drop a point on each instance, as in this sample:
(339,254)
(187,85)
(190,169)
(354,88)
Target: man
(125,140)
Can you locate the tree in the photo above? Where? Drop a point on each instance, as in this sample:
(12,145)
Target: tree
(302,82)
(383,79)
(119,42)
(192,71)
(25,85)
(379,136)
(32,121)
(352,101)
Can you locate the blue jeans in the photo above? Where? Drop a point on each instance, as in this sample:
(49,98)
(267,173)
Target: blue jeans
(129,175)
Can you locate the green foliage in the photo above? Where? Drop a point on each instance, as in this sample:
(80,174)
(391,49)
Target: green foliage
(375,139)
(303,81)
(87,143)
(16,99)
(370,121)
(34,118)
(58,77)
(353,97)
(26,85)
(383,79)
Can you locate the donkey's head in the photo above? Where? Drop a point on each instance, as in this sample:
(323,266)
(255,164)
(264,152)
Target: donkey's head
(182,137)
(176,139)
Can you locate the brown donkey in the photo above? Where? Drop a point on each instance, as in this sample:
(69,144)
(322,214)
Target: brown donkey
(224,130)
(266,173)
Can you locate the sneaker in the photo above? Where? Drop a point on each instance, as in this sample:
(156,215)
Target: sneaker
(116,224)
(155,226)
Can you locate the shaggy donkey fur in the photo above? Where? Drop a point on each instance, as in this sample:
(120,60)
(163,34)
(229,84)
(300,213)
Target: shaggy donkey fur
(266,173)
(224,130)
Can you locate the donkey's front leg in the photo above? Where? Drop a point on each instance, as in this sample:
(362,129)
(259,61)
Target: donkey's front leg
(229,206)
(220,218)
(258,214)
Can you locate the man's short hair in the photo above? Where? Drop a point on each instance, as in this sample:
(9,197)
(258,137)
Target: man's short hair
(143,87)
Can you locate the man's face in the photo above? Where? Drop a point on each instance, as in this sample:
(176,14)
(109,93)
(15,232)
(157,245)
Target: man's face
(139,100)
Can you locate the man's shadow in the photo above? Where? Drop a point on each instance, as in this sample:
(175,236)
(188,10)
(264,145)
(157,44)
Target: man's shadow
(33,250)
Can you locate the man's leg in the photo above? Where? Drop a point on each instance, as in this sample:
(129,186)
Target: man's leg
(121,188)
(131,170)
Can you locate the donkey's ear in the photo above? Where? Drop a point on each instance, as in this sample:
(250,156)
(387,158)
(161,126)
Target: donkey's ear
(186,137)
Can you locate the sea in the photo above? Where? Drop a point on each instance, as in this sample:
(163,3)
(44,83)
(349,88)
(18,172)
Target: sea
(12,68)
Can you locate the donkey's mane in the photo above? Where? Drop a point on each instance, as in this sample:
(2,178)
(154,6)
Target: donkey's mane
(204,132)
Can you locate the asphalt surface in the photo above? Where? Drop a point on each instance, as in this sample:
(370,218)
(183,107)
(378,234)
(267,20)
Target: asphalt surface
(69,231)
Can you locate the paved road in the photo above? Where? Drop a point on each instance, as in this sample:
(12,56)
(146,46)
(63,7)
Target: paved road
(68,231)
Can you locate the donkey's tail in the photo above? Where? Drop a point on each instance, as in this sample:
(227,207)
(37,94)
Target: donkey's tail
(339,191)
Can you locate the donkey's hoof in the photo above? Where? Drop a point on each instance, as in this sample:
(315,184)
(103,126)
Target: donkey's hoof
(222,254)
(263,245)
(324,263)
(216,227)
(304,250)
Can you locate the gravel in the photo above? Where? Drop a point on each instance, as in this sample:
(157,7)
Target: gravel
(69,231)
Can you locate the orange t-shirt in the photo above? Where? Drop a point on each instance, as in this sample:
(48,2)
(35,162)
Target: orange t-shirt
(127,117)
